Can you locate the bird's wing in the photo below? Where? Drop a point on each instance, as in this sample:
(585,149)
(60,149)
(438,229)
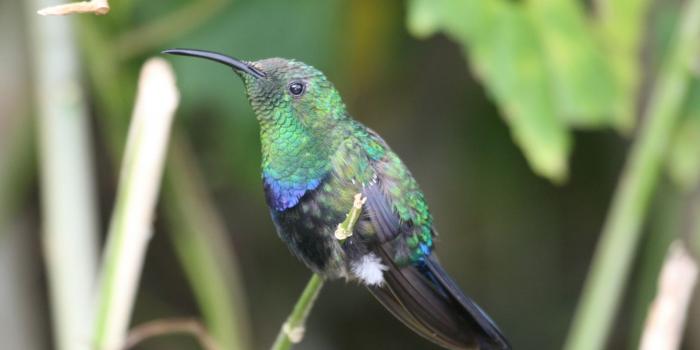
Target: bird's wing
(416,289)
(395,204)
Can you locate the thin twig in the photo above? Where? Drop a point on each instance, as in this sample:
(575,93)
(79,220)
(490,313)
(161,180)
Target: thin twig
(170,326)
(344,229)
(130,229)
(98,7)
(666,319)
(292,331)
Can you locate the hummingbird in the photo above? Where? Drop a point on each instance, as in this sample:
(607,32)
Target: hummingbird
(315,159)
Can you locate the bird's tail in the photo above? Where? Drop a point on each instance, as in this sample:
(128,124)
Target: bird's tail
(426,299)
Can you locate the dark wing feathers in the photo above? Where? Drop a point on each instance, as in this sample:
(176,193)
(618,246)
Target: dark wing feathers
(481,320)
(435,308)
(381,213)
(412,300)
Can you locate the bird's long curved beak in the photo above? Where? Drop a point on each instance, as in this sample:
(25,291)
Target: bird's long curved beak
(234,63)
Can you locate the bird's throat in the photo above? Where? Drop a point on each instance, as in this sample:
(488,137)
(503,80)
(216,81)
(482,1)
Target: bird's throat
(294,161)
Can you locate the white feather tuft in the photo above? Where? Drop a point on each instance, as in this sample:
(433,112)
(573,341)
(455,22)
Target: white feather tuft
(369,269)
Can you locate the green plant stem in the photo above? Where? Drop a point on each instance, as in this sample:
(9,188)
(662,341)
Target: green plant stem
(620,236)
(17,168)
(204,250)
(68,197)
(292,330)
(130,228)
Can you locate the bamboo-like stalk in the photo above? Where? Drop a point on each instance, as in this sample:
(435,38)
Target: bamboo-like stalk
(207,258)
(292,331)
(68,198)
(130,228)
(621,232)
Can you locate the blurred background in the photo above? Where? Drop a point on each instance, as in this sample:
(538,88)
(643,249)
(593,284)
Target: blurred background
(516,118)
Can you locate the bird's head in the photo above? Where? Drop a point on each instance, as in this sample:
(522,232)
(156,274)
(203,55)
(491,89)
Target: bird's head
(279,89)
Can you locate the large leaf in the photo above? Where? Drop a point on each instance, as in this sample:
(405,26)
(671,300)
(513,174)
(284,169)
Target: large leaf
(584,84)
(621,24)
(507,55)
(516,76)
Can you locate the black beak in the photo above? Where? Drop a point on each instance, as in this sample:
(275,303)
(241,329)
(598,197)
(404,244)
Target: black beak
(234,63)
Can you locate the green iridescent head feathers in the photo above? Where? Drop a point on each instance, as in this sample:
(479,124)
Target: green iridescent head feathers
(279,89)
(292,87)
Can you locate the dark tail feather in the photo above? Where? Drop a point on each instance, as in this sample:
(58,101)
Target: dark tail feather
(427,300)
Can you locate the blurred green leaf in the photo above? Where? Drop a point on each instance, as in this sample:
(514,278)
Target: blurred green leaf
(583,81)
(514,72)
(621,25)
(467,22)
(507,55)
(684,154)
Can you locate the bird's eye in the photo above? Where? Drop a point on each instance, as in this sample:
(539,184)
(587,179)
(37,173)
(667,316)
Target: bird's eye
(296,88)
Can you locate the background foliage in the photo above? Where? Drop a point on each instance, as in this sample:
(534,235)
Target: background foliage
(514,116)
